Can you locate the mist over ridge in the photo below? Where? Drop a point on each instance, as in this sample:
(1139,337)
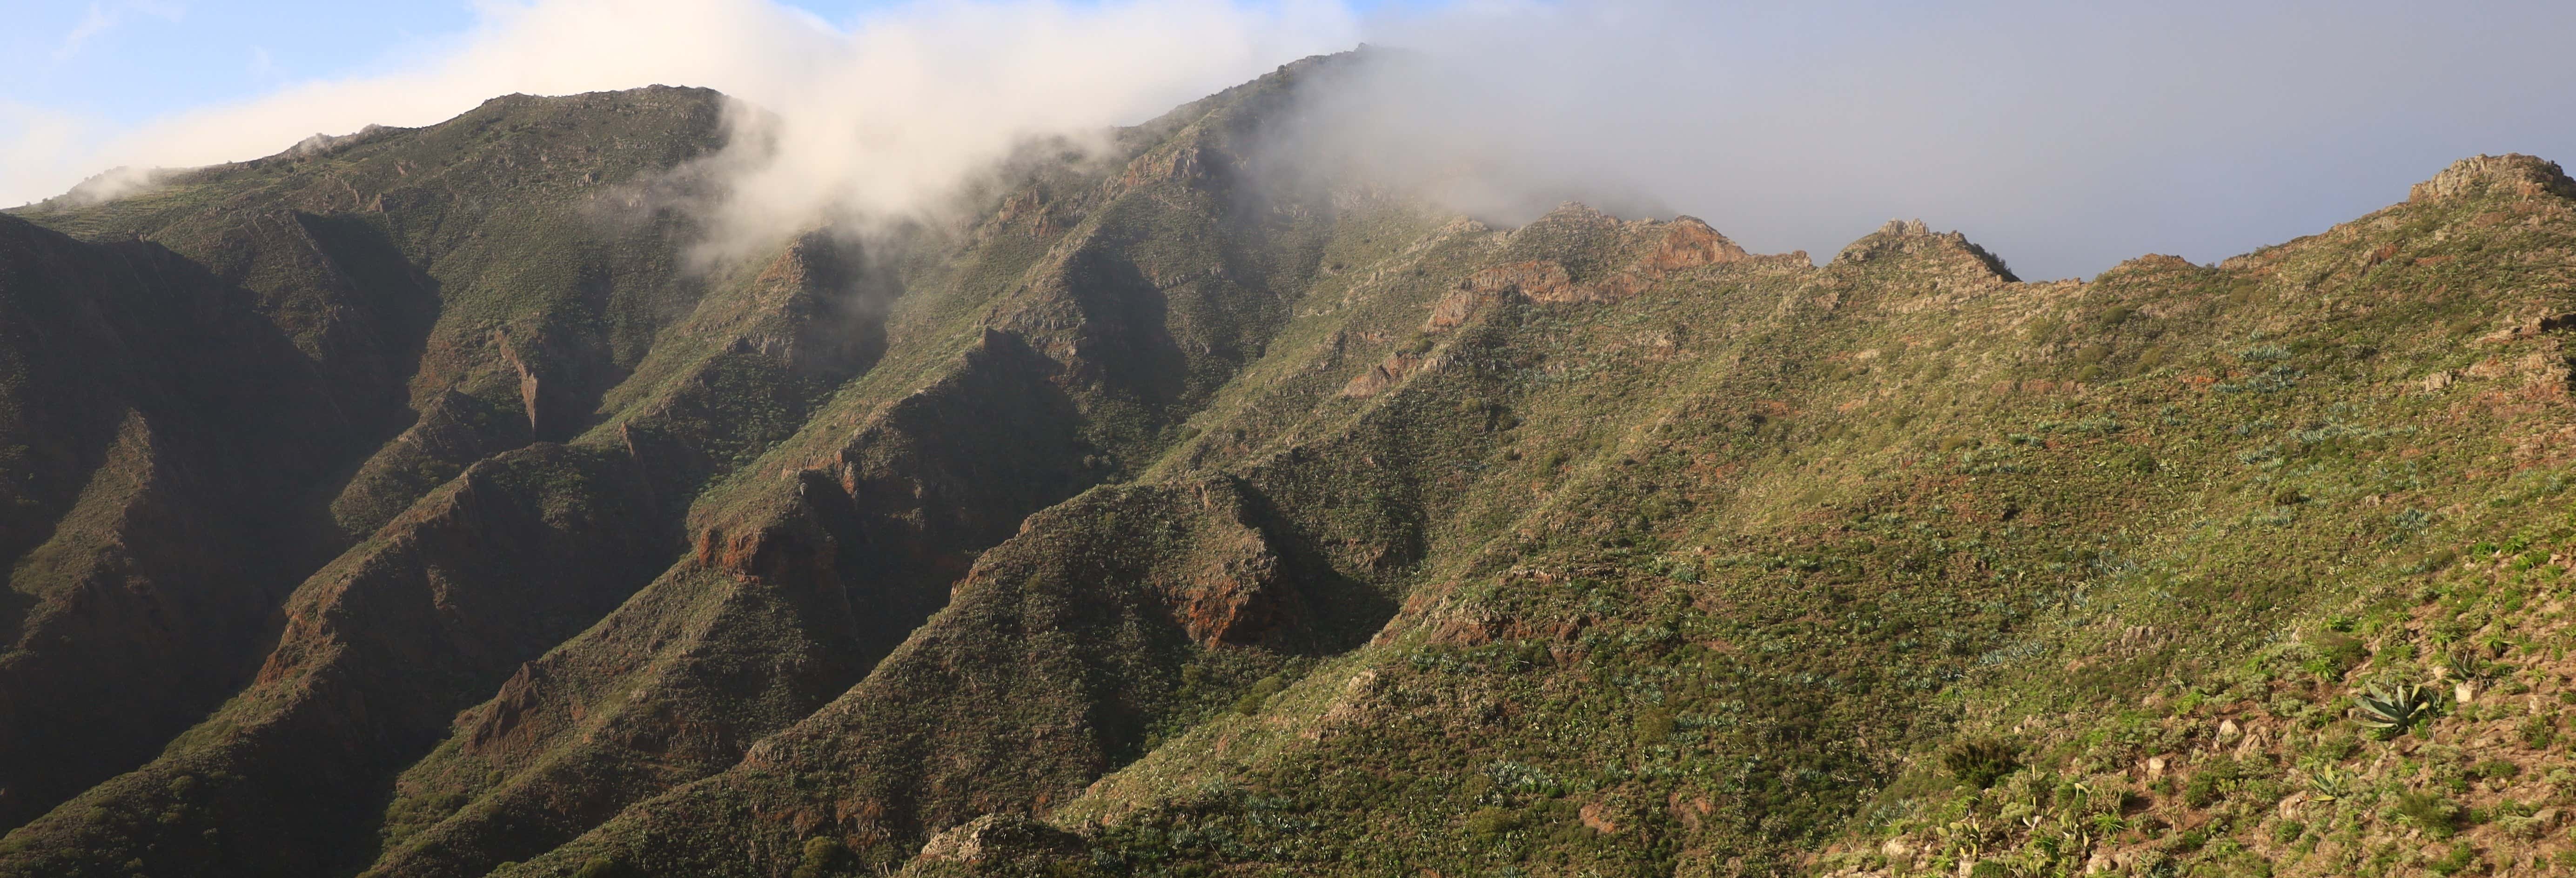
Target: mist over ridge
(1179,438)
(2064,139)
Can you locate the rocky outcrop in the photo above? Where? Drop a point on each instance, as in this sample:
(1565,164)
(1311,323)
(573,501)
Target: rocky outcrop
(1385,375)
(1688,242)
(1681,245)
(1000,844)
(753,573)
(2512,174)
(1948,259)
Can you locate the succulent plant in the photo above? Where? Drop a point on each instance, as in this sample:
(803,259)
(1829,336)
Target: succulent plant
(2330,783)
(2468,661)
(2394,709)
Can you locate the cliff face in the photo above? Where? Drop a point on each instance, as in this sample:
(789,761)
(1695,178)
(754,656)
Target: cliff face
(404,505)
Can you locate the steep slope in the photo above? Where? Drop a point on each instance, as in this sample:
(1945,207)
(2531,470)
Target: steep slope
(1158,278)
(1189,510)
(160,465)
(315,300)
(338,697)
(2045,577)
(1098,359)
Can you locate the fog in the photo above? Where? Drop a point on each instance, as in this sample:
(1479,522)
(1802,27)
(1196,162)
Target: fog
(2065,137)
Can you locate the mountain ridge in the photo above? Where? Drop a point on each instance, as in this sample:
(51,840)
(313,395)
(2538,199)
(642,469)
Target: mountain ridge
(1161,519)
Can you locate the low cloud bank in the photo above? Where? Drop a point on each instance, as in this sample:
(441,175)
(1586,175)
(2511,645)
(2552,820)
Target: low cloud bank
(2064,137)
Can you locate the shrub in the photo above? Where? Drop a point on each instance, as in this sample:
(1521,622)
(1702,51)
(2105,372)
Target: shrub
(2337,654)
(2429,811)
(1260,693)
(2212,782)
(2540,731)
(822,855)
(1980,762)
(1654,724)
(2522,826)
(2491,769)
(2457,861)
(2288,831)
(2149,360)
(1487,824)
(2337,747)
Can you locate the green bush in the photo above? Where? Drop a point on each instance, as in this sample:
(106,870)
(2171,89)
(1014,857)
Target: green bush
(2539,731)
(2212,782)
(1654,724)
(1980,762)
(2457,861)
(822,855)
(1488,824)
(1260,693)
(2337,654)
(2429,811)
(2490,769)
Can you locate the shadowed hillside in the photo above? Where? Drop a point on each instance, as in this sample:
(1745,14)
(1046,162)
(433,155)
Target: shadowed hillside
(416,505)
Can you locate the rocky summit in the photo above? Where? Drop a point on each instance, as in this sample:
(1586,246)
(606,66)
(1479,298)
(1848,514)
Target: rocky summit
(421,504)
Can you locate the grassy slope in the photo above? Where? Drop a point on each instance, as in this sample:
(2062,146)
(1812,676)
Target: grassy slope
(347,699)
(1757,580)
(155,448)
(1369,540)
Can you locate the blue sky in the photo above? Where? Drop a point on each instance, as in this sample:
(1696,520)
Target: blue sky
(126,61)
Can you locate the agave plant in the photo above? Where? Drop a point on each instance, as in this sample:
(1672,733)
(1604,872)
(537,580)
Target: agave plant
(2468,662)
(2394,709)
(2330,784)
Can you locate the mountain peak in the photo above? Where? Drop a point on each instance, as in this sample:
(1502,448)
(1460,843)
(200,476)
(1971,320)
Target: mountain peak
(321,144)
(1911,239)
(2513,173)
(1913,228)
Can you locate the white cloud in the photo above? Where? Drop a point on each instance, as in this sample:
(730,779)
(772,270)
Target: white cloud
(2065,136)
(874,118)
(42,151)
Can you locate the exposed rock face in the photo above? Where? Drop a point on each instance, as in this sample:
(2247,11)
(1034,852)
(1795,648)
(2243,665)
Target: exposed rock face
(994,839)
(2155,262)
(2510,174)
(1543,281)
(1158,522)
(1663,249)
(1690,243)
(1948,257)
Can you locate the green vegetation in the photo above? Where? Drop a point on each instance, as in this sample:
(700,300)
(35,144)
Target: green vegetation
(1980,762)
(1151,525)
(2394,709)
